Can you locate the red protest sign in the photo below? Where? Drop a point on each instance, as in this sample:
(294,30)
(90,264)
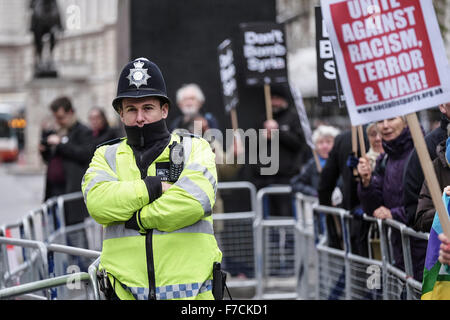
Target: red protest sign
(391,55)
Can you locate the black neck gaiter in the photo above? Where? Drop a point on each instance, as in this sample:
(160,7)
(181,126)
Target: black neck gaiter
(149,134)
(147,142)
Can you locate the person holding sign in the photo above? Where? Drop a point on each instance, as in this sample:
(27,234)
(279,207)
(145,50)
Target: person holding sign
(337,166)
(414,177)
(425,207)
(293,150)
(381,191)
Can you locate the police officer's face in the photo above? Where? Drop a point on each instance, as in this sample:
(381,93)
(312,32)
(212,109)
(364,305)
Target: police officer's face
(141,111)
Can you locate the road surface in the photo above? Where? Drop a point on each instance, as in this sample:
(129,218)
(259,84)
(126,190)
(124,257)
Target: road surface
(20,192)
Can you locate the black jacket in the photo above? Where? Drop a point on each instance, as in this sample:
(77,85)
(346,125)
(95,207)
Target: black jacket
(413,175)
(76,154)
(106,134)
(425,208)
(307,181)
(335,167)
(294,152)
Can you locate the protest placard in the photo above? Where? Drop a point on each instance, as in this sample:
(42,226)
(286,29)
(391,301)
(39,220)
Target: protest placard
(227,70)
(390,55)
(392,62)
(264,48)
(228,78)
(329,91)
(265,54)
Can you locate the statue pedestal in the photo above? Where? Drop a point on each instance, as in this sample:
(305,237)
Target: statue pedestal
(41,93)
(45,70)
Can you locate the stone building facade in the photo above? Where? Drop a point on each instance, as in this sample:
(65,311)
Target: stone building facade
(84,55)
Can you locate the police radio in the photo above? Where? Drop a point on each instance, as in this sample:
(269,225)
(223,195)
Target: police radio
(176,163)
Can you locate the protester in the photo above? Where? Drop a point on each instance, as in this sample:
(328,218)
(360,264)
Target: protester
(375,144)
(381,192)
(67,152)
(190,101)
(425,208)
(307,181)
(336,168)
(293,150)
(153,192)
(413,175)
(101,131)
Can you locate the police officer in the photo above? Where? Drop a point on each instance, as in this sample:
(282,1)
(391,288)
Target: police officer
(153,192)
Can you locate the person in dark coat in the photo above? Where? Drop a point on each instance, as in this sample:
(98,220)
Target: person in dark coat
(67,153)
(307,181)
(381,192)
(337,168)
(425,208)
(413,176)
(101,131)
(293,150)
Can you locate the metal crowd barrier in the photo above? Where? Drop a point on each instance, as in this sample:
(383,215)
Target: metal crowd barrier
(40,252)
(275,246)
(400,284)
(276,257)
(306,253)
(234,232)
(343,274)
(45,252)
(45,229)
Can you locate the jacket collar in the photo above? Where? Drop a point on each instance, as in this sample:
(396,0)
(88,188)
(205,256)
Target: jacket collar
(399,145)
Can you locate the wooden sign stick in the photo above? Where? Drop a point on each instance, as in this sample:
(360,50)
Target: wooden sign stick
(361,141)
(234,121)
(428,171)
(268,102)
(316,158)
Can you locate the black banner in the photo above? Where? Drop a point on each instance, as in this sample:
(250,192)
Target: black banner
(227,75)
(264,50)
(327,74)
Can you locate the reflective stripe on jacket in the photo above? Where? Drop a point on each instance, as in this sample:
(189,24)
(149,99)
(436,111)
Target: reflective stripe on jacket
(172,255)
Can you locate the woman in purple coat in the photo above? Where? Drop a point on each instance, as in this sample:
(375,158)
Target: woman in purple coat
(381,191)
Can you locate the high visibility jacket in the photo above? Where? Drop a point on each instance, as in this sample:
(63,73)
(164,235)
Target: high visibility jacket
(173,253)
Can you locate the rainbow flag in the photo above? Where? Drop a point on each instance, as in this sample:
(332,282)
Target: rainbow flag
(436,277)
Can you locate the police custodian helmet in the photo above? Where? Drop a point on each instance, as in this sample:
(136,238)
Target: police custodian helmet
(140,78)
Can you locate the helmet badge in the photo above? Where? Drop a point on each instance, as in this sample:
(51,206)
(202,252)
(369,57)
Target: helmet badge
(138,76)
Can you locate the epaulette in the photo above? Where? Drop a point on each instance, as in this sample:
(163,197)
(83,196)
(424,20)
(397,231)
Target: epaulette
(110,142)
(187,134)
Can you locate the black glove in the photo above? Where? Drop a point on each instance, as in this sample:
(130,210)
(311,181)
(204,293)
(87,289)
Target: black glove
(352,161)
(132,223)
(357,212)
